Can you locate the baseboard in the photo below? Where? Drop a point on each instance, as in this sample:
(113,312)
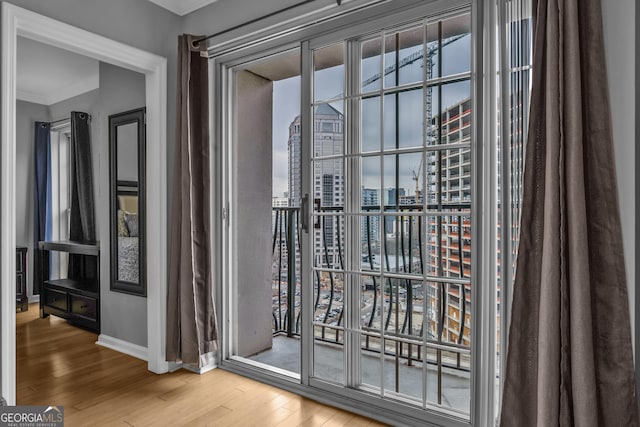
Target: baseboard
(125,347)
(174,366)
(202,370)
(209,361)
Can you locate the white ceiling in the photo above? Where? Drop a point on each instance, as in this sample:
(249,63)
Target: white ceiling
(47,74)
(182,7)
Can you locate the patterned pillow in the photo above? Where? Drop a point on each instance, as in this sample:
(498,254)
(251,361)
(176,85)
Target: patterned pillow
(123,231)
(131,220)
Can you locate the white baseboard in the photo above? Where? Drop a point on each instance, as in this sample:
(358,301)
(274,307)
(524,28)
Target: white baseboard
(174,366)
(202,370)
(209,362)
(125,347)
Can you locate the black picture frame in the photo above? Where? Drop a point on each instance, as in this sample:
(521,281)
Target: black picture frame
(120,187)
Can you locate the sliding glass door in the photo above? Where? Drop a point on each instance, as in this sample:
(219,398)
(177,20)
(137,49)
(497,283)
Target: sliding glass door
(392,219)
(349,160)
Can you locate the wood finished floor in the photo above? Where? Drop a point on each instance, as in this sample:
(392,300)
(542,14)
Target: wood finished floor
(58,364)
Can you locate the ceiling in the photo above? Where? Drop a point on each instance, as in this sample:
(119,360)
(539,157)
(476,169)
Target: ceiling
(182,7)
(47,75)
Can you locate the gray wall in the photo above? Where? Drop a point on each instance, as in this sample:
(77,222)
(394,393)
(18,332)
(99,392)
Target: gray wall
(636,141)
(26,114)
(619,26)
(122,316)
(225,14)
(253,227)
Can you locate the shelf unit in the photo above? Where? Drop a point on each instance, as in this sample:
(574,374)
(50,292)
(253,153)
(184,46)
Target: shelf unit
(76,298)
(22,300)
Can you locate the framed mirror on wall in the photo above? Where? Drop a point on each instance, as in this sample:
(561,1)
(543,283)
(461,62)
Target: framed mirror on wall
(127,148)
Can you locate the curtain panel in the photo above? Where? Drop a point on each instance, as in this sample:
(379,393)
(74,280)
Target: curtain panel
(42,201)
(191,322)
(82,222)
(569,360)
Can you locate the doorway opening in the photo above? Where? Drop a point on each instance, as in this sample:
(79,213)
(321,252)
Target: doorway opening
(17,22)
(266,212)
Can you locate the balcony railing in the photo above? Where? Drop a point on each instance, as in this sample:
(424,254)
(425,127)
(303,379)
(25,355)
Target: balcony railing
(403,319)
(286,271)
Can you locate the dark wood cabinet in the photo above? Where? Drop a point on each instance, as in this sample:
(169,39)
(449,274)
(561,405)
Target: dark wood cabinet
(77,297)
(22,301)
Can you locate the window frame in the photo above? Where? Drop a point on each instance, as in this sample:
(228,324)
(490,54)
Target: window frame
(224,55)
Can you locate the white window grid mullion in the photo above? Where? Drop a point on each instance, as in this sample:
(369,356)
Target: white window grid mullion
(308,238)
(382,230)
(350,300)
(425,284)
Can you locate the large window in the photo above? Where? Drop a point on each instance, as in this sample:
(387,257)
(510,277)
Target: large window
(60,194)
(380,262)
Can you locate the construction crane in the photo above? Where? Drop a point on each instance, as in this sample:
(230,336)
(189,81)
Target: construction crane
(430,52)
(416,178)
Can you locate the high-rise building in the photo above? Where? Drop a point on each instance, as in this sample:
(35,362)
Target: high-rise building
(293,148)
(449,255)
(370,197)
(328,179)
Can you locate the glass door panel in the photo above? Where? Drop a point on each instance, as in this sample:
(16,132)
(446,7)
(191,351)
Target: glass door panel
(329,223)
(392,214)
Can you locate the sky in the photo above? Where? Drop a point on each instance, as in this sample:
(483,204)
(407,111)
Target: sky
(329,84)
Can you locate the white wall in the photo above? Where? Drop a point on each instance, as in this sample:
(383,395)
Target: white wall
(620,45)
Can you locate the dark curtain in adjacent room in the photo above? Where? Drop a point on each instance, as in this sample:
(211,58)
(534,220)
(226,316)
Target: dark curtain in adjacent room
(191,322)
(569,360)
(82,227)
(42,200)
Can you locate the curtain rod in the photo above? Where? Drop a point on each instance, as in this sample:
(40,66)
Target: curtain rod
(66,119)
(196,42)
(60,121)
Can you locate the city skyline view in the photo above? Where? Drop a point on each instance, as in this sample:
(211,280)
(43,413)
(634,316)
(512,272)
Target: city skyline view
(328,85)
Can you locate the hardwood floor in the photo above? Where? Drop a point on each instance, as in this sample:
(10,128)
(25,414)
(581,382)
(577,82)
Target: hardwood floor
(59,364)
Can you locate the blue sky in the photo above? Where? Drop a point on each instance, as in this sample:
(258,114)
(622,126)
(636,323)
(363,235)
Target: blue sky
(286,106)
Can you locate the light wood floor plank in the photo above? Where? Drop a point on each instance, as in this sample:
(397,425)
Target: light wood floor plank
(60,364)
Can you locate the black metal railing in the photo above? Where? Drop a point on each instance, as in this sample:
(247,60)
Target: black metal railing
(286,271)
(448,317)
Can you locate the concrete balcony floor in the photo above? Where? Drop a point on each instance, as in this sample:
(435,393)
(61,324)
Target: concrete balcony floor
(285,354)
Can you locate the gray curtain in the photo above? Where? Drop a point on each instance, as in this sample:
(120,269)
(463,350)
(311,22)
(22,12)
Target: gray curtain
(191,321)
(569,360)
